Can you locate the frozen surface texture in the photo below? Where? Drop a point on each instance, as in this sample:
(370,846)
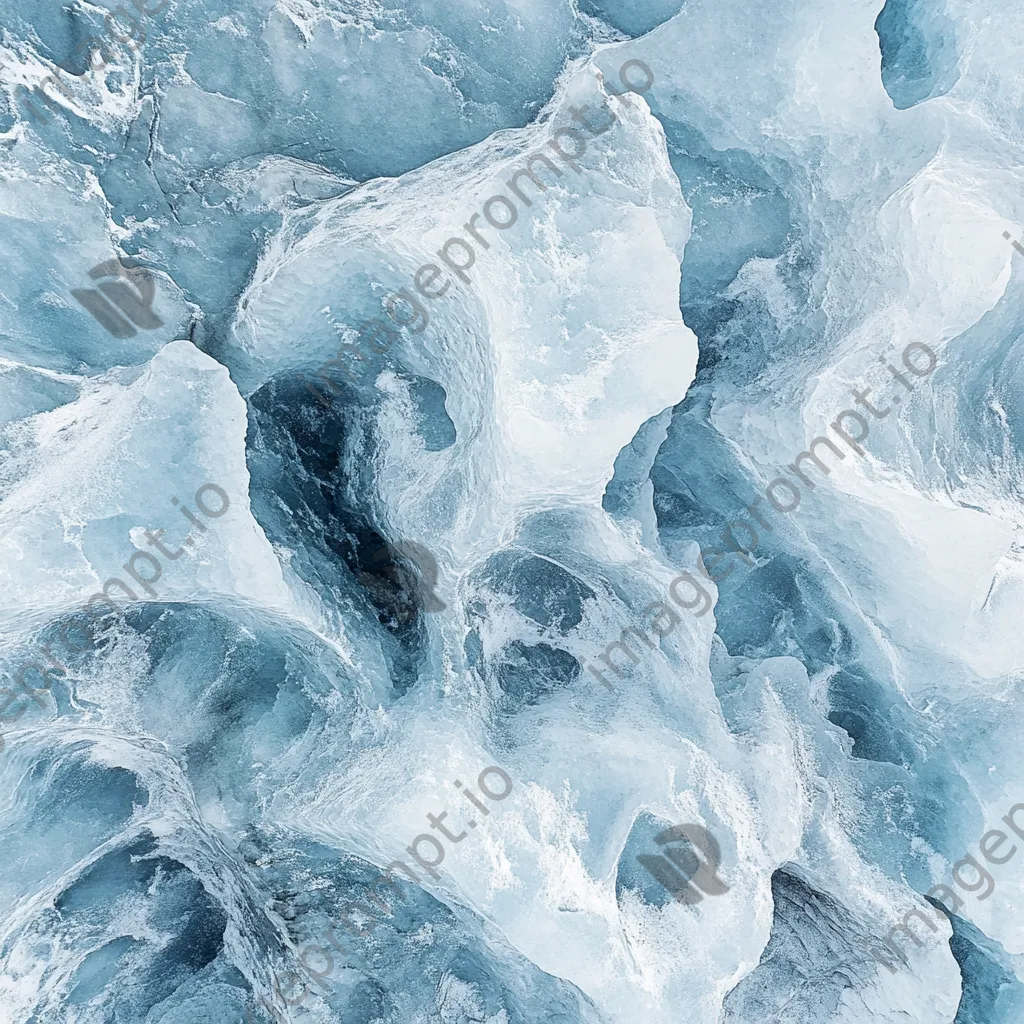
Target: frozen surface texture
(344,566)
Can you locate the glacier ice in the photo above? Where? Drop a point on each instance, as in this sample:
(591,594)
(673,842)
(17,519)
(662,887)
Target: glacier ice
(197,805)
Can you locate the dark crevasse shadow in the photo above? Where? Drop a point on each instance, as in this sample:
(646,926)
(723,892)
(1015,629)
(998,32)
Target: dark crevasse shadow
(992,994)
(748,221)
(632,17)
(547,600)
(378,958)
(919,51)
(817,952)
(313,483)
(782,603)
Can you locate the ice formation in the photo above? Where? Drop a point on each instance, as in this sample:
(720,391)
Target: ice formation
(232,779)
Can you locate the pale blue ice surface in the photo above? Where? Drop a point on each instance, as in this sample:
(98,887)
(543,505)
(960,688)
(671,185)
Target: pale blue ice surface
(202,795)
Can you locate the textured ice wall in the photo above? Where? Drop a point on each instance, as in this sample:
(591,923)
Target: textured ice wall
(201,794)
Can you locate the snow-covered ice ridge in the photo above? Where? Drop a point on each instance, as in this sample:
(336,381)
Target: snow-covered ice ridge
(240,756)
